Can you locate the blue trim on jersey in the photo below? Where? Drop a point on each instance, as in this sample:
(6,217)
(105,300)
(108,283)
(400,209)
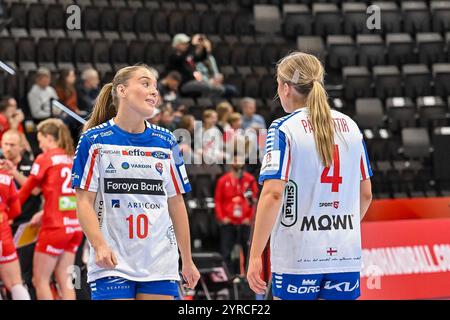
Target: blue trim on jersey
(278,143)
(120,288)
(369,168)
(328,286)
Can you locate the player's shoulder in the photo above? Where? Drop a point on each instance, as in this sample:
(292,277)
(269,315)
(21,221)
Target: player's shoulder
(285,120)
(164,134)
(92,133)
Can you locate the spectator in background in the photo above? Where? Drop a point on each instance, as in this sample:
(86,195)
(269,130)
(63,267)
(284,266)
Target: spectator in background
(235,198)
(250,119)
(65,89)
(88,91)
(167,117)
(156,117)
(187,123)
(185,54)
(223,109)
(210,73)
(169,85)
(212,144)
(12,118)
(40,95)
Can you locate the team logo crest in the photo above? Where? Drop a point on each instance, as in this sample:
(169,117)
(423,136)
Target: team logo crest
(159,168)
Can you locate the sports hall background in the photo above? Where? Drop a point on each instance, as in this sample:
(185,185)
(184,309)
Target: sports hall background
(394,81)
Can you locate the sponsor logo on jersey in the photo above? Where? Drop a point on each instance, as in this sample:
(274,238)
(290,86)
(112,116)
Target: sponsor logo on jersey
(61,159)
(159,168)
(67,203)
(106,134)
(334,204)
(341,287)
(110,169)
(134,186)
(143,205)
(109,151)
(136,153)
(70,222)
(271,161)
(4,179)
(75,176)
(160,155)
(127,165)
(289,210)
(51,249)
(115,203)
(170,234)
(327,222)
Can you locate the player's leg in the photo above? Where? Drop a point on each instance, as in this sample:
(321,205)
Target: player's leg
(10,271)
(296,286)
(43,266)
(113,288)
(340,286)
(63,271)
(12,279)
(63,275)
(157,290)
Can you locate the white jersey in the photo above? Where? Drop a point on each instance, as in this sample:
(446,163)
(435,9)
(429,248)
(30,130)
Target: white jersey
(318,226)
(133,176)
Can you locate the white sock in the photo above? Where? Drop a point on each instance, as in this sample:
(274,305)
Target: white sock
(19,292)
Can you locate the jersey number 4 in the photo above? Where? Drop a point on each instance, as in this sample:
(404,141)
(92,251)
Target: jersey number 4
(335,179)
(141,226)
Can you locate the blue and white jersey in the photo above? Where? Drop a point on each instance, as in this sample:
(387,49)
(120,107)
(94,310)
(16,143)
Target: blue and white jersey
(318,225)
(133,176)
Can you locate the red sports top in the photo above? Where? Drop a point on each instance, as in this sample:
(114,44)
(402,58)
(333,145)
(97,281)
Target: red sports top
(9,202)
(52,172)
(230,199)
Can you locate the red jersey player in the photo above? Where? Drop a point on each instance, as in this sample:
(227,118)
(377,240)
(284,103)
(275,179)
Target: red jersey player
(60,233)
(9,264)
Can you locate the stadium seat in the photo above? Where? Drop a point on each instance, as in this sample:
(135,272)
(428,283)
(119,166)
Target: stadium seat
(209,23)
(341,51)
(101,56)
(297,20)
(8,49)
(125,23)
(176,22)
(327,18)
(355,18)
(251,88)
(26,54)
(432,111)
(441,75)
(18,15)
(400,48)
(401,112)
(136,51)
(441,154)
(192,22)
(268,87)
(387,81)
(270,54)
(267,18)
(357,82)
(225,23)
(430,47)
(56,21)
(46,50)
(255,55)
(371,50)
(108,23)
(36,20)
(64,53)
(160,22)
(119,54)
(417,80)
(440,12)
(239,55)
(83,53)
(415,143)
(369,113)
(416,16)
(313,45)
(391,21)
(143,20)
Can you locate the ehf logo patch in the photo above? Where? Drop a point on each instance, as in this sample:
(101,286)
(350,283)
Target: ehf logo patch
(271,161)
(159,168)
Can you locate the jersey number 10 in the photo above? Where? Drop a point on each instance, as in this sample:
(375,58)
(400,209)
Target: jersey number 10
(335,179)
(141,226)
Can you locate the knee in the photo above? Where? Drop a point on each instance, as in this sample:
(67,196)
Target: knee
(39,281)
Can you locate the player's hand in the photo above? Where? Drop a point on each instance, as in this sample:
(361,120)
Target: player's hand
(190,275)
(254,276)
(36,219)
(105,257)
(226,220)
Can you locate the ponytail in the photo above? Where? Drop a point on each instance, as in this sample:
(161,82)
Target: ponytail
(104,108)
(322,122)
